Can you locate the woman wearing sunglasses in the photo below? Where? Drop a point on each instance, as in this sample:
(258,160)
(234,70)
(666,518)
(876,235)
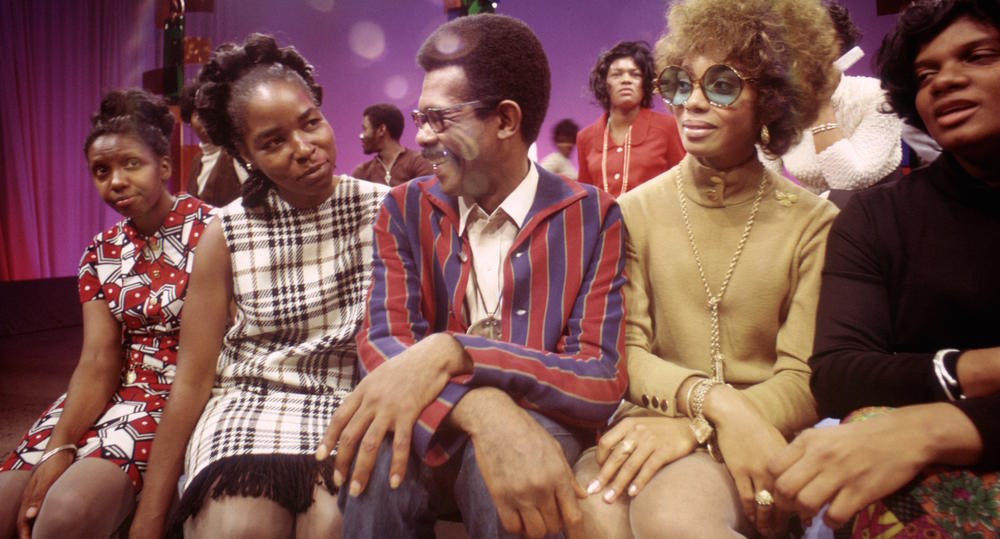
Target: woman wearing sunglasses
(724,262)
(630,143)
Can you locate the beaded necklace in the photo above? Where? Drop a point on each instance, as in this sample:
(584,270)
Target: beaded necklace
(625,162)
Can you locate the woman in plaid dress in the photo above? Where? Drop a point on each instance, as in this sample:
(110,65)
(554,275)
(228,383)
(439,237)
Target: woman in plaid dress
(252,400)
(79,467)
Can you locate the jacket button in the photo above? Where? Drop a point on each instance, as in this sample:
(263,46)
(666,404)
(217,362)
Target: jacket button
(521,312)
(645,400)
(463,257)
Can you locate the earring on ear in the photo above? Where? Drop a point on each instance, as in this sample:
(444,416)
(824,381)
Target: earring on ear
(765,135)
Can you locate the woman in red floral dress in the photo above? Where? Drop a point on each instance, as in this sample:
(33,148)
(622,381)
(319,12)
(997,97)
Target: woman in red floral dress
(133,278)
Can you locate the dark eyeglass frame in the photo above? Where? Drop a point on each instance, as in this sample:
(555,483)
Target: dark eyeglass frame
(436,116)
(714,101)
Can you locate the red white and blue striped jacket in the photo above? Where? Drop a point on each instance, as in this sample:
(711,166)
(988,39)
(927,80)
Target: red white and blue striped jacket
(561,350)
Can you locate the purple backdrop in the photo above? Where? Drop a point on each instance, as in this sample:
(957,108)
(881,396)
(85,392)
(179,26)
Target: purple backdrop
(60,56)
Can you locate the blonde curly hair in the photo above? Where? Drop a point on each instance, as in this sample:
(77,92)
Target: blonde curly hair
(787,46)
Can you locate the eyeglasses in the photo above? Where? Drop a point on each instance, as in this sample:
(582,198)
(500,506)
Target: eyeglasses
(435,117)
(720,84)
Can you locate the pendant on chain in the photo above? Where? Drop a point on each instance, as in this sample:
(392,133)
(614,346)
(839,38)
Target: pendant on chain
(488,327)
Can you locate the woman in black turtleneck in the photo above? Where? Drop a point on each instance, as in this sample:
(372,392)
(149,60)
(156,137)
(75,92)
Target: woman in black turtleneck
(909,312)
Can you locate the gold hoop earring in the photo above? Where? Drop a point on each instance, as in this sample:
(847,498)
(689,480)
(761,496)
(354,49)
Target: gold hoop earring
(765,135)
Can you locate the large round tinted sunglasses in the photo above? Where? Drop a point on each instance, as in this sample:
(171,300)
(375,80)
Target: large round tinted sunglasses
(720,84)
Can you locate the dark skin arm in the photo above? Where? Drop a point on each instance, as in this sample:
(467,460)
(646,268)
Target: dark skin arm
(522,465)
(94,380)
(850,466)
(202,329)
(376,406)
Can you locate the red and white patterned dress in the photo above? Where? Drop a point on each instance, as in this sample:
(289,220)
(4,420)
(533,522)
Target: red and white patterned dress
(143,279)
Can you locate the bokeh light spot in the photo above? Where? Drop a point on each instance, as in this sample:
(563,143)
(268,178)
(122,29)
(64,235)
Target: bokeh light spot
(448,43)
(324,6)
(396,87)
(366,39)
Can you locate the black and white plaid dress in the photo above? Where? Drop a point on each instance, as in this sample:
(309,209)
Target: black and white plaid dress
(299,282)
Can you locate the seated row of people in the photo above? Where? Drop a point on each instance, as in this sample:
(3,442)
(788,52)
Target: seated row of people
(488,316)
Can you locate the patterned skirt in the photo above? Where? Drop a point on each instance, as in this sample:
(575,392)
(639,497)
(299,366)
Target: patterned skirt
(123,434)
(940,502)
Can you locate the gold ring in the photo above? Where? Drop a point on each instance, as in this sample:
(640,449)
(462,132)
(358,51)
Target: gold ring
(763,498)
(627,446)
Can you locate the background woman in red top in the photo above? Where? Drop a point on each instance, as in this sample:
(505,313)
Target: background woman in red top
(629,143)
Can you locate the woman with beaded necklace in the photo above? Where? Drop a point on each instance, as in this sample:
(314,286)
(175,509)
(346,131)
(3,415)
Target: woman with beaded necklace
(724,262)
(630,143)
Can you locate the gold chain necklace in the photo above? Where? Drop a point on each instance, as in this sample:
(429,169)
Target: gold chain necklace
(388,169)
(714,300)
(625,160)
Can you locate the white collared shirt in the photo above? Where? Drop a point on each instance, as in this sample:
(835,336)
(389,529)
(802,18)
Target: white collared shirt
(490,238)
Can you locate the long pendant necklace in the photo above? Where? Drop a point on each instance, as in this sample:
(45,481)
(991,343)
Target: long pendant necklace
(715,348)
(625,160)
(387,168)
(489,326)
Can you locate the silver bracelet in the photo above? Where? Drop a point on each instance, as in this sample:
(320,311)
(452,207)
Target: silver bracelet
(817,129)
(946,380)
(52,452)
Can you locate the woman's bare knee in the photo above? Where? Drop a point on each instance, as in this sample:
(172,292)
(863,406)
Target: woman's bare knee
(12,485)
(601,520)
(91,499)
(239,517)
(322,520)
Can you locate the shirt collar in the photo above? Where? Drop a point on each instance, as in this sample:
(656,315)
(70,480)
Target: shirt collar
(516,205)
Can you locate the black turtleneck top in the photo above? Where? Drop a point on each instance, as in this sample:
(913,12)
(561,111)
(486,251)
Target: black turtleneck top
(912,267)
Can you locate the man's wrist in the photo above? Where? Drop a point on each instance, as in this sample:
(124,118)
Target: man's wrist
(471,412)
(452,359)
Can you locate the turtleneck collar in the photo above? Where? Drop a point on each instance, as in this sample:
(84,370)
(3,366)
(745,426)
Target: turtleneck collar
(713,188)
(949,177)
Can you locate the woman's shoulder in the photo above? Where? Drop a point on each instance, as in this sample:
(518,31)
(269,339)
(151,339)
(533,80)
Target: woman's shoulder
(647,200)
(595,129)
(368,193)
(804,203)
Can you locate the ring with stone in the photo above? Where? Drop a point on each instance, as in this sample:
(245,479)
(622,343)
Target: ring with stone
(763,498)
(627,446)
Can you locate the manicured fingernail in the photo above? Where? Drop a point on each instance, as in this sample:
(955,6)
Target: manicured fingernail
(633,490)
(395,480)
(593,487)
(338,479)
(609,495)
(322,452)
(355,489)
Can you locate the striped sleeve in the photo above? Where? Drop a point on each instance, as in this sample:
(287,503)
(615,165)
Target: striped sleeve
(396,317)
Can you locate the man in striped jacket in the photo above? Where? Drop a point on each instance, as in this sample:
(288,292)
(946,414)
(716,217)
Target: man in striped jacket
(493,342)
